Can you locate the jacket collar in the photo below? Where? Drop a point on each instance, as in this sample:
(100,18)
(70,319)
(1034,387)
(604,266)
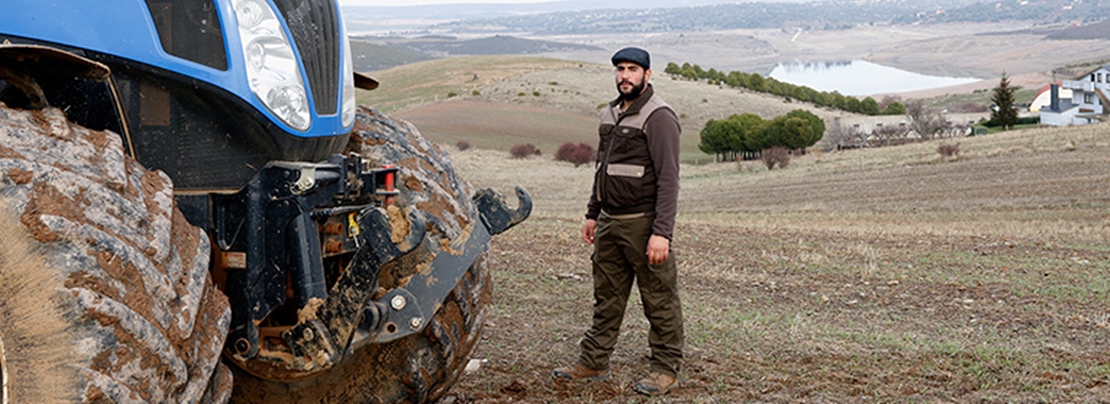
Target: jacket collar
(636,105)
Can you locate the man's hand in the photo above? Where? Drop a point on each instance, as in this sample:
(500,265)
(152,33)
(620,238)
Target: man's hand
(657,249)
(588,229)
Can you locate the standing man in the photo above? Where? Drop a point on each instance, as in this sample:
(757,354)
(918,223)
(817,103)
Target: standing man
(629,220)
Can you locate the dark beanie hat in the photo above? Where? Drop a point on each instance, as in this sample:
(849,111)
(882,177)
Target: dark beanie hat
(634,55)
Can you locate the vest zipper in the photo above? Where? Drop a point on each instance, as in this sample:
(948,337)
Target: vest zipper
(605,163)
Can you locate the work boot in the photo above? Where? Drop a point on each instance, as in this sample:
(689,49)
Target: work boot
(655,384)
(579,372)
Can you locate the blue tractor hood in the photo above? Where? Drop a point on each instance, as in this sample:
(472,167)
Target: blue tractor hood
(127,29)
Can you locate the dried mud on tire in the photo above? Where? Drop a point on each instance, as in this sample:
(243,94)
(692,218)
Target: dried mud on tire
(423,366)
(97,240)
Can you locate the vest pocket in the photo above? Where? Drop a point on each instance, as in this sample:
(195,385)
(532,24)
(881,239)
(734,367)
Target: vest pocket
(625,170)
(625,188)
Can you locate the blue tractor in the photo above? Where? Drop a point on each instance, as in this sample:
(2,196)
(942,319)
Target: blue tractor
(194,209)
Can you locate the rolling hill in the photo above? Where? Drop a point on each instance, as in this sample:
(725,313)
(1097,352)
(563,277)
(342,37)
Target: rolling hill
(495,102)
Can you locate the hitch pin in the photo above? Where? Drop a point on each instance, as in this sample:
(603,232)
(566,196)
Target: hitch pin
(352,228)
(390,180)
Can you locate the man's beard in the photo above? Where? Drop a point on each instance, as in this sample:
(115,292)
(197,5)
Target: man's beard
(631,95)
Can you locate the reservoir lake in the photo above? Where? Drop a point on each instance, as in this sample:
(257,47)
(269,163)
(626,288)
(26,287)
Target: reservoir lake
(859,77)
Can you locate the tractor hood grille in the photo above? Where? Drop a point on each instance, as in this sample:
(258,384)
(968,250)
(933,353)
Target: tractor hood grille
(315,28)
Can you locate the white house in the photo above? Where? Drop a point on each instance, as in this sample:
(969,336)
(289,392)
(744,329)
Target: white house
(1044,97)
(1086,105)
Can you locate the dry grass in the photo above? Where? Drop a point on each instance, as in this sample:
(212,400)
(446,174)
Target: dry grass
(470,120)
(885,274)
(428,82)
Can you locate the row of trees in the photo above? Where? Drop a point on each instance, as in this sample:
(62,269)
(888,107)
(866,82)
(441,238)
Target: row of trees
(747,134)
(756,82)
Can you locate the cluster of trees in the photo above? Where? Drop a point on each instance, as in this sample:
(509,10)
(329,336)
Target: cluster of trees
(756,82)
(747,134)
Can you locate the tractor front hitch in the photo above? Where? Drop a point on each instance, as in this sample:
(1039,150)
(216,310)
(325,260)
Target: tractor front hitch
(291,217)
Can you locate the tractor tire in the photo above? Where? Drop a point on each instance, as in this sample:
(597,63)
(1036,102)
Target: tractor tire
(423,366)
(105,294)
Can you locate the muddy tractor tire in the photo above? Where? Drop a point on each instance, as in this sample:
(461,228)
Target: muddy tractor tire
(423,366)
(105,294)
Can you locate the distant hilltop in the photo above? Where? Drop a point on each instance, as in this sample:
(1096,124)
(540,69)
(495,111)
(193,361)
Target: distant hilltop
(573,17)
(379,53)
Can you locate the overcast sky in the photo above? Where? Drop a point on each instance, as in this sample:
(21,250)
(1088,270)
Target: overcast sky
(427,2)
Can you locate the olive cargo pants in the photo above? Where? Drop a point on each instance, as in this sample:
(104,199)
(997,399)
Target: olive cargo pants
(620,257)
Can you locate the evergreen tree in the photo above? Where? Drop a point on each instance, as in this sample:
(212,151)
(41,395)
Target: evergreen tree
(688,72)
(755,82)
(796,132)
(758,137)
(869,106)
(744,124)
(672,68)
(1003,114)
(852,104)
(816,124)
(714,138)
(894,108)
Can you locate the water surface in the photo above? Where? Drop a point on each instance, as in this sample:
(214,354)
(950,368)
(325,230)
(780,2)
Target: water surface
(859,77)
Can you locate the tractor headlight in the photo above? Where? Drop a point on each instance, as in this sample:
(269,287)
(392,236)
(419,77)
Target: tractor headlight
(272,68)
(348,84)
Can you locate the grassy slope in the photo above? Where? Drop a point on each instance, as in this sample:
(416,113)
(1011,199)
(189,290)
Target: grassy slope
(412,85)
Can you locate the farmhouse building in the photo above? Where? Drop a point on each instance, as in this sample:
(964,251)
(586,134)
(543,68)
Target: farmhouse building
(1087,104)
(1044,97)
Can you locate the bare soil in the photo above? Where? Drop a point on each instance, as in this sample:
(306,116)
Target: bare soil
(890,275)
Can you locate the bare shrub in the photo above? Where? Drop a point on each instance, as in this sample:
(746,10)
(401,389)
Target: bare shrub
(520,151)
(577,154)
(776,156)
(926,121)
(462,145)
(746,165)
(949,150)
(970,107)
(889,135)
(889,99)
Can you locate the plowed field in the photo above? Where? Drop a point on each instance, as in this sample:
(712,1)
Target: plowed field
(888,275)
